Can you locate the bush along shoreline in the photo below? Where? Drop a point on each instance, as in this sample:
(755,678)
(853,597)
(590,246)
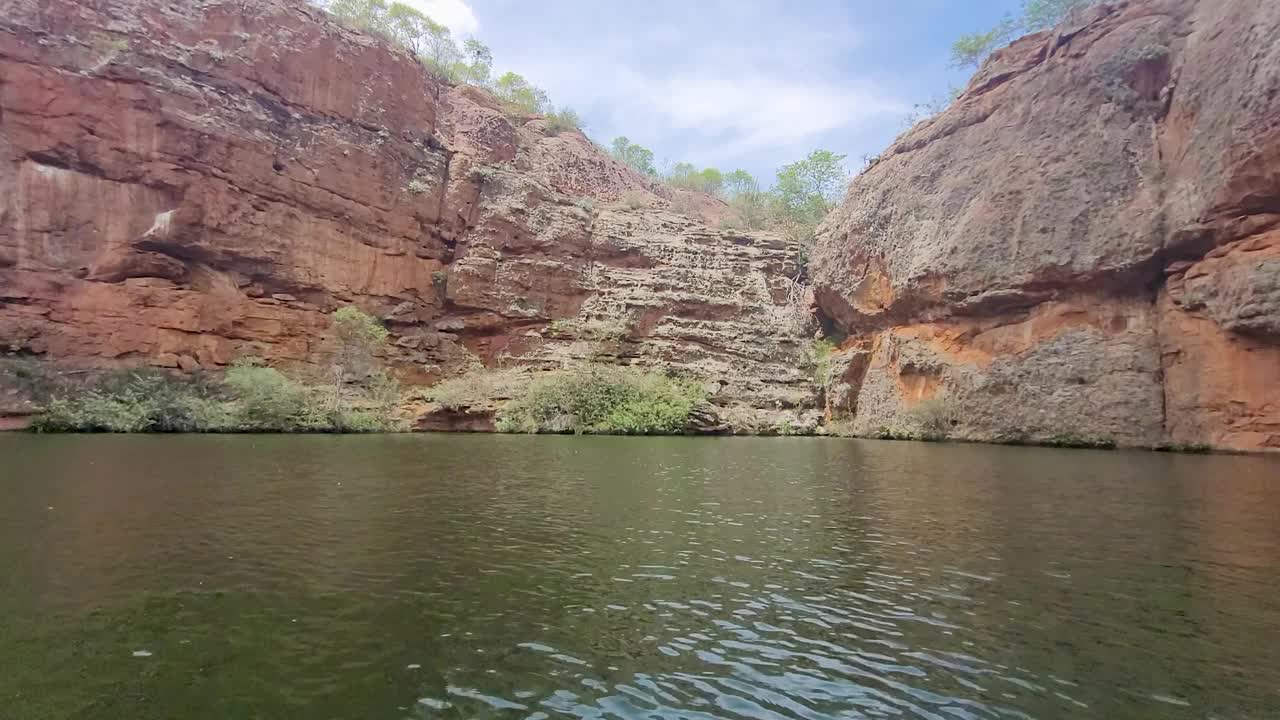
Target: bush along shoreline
(360,396)
(599,399)
(592,398)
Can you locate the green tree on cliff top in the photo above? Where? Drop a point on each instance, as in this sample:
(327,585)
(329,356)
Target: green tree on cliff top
(970,50)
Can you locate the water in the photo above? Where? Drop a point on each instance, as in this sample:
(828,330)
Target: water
(494,577)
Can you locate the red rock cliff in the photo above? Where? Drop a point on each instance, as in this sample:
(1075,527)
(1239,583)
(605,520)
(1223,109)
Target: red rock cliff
(185,183)
(1086,244)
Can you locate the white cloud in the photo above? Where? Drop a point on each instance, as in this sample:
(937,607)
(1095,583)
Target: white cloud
(733,83)
(454,14)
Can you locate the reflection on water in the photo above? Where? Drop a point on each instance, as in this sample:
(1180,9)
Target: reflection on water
(483,576)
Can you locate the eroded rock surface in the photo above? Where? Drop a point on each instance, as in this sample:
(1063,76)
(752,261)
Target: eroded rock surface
(185,183)
(1083,246)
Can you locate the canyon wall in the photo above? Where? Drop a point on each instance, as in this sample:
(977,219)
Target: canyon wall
(1084,247)
(183,184)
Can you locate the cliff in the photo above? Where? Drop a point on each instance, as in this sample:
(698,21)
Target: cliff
(182,184)
(1084,246)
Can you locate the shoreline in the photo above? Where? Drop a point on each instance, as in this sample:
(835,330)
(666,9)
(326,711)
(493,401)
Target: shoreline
(12,429)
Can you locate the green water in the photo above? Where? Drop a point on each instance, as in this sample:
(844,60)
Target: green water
(533,577)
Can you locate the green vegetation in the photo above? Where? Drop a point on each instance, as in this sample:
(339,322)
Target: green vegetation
(803,193)
(804,190)
(822,350)
(142,400)
(558,121)
(688,177)
(1185,448)
(478,388)
(603,399)
(358,338)
(935,418)
(434,44)
(249,397)
(1072,440)
(634,200)
(594,329)
(107,48)
(640,158)
(970,50)
(28,376)
(520,96)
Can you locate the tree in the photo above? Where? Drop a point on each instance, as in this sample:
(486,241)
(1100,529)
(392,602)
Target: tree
(805,192)
(1041,14)
(520,94)
(638,157)
(410,27)
(368,15)
(558,121)
(972,49)
(819,179)
(358,337)
(748,204)
(477,63)
(439,51)
(689,177)
(740,182)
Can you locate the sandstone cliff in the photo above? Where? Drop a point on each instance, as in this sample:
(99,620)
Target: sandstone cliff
(185,183)
(1085,245)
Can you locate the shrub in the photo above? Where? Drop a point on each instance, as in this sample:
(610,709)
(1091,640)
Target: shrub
(688,177)
(563,327)
(476,388)
(603,399)
(358,338)
(558,121)
(971,49)
(519,96)
(417,187)
(140,400)
(352,420)
(484,173)
(33,378)
(822,350)
(267,399)
(634,200)
(594,329)
(935,418)
(251,398)
(1083,442)
(107,47)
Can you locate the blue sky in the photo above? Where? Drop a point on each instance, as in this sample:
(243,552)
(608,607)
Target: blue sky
(731,83)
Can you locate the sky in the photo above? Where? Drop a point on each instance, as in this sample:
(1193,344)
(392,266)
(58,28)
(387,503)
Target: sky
(749,84)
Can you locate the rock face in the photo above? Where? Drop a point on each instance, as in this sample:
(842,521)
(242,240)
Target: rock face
(1085,245)
(185,183)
